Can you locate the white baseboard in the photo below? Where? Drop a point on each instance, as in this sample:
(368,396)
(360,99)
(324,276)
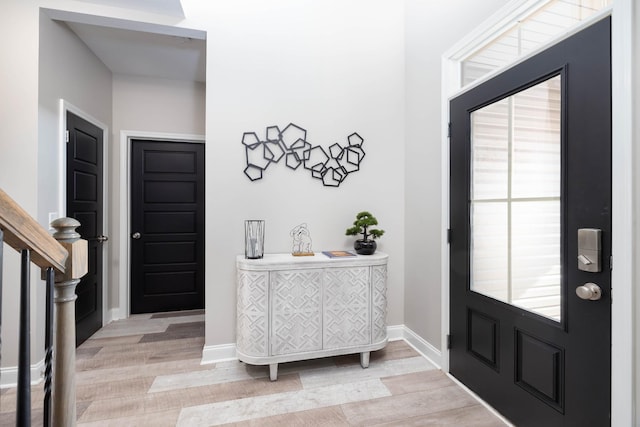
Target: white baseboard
(218,353)
(423,347)
(395,332)
(114,314)
(9,376)
(225,352)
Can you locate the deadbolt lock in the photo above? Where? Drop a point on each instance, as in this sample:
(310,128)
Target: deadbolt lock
(589,257)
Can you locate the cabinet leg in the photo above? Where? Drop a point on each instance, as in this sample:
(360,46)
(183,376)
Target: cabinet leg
(364,359)
(273,371)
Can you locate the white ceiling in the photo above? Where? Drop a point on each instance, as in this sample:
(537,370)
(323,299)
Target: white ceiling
(160,53)
(140,53)
(162,7)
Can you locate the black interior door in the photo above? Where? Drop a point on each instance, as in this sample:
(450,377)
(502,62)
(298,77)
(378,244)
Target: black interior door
(539,354)
(85,203)
(167,226)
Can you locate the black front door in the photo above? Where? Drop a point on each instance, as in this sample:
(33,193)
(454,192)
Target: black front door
(167,226)
(530,207)
(85,203)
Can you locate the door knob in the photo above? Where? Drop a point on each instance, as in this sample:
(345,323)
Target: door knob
(136,235)
(589,291)
(102,239)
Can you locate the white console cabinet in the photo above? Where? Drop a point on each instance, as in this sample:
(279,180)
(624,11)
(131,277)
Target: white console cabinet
(294,308)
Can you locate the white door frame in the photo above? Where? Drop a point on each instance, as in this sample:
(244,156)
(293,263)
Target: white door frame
(124,289)
(622,275)
(67,107)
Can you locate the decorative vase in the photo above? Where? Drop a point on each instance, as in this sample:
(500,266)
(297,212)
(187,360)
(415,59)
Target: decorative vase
(365,247)
(254,238)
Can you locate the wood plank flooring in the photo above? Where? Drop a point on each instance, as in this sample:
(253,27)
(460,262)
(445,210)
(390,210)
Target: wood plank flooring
(146,371)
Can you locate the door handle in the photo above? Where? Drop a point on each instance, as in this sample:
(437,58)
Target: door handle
(589,291)
(102,239)
(136,235)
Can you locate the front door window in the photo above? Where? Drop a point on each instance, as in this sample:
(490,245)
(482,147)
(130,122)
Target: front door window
(515,199)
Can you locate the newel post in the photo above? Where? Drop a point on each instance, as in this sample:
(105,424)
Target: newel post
(64,375)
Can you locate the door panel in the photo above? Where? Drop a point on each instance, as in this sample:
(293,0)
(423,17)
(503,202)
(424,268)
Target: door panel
(520,336)
(85,203)
(167,210)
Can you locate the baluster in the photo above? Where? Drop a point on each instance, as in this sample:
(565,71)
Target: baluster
(23,410)
(48,347)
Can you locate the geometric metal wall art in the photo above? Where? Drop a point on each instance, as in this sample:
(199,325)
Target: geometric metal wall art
(291,145)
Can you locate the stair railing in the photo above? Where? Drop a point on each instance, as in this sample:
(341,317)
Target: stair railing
(62,259)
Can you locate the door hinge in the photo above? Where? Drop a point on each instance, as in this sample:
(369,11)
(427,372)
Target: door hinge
(449,130)
(449,235)
(448,342)
(66,135)
(611,262)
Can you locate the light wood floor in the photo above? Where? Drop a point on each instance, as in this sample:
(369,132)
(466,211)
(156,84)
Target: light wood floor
(146,371)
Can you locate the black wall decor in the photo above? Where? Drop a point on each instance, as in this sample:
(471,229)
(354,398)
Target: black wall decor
(291,144)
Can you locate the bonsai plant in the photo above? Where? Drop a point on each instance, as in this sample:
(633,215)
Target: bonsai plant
(366,245)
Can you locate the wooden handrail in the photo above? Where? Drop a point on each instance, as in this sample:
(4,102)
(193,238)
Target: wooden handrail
(22,231)
(63,259)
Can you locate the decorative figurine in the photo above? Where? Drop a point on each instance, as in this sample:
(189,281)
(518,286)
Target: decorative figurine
(301,241)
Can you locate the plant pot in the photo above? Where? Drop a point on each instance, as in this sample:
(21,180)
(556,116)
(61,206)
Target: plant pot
(365,247)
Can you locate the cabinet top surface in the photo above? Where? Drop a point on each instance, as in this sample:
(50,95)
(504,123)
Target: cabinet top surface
(319,260)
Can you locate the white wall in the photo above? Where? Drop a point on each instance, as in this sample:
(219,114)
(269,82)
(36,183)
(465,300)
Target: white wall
(18,145)
(635,76)
(333,68)
(145,105)
(430,31)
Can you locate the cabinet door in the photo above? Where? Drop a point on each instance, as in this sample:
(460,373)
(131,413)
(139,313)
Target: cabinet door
(347,297)
(296,319)
(252,327)
(379,303)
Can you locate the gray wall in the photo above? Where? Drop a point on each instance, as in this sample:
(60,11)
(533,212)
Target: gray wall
(429,32)
(48,64)
(145,105)
(18,145)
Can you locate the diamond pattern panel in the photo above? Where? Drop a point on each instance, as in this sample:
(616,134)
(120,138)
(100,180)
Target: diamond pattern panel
(346,307)
(252,331)
(297,311)
(379,303)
